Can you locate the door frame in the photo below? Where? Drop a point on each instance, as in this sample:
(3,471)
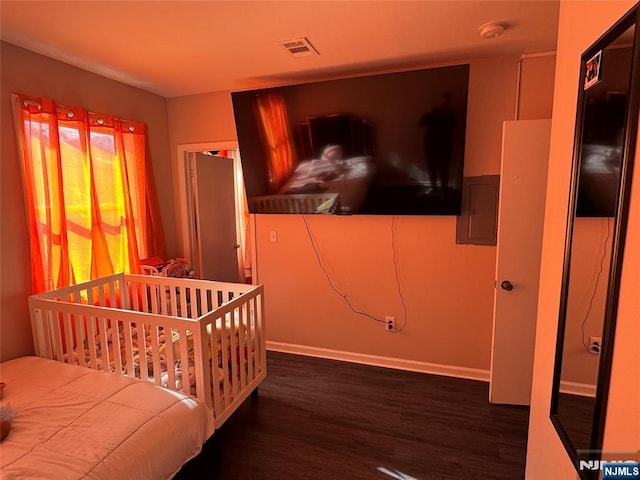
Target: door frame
(185,224)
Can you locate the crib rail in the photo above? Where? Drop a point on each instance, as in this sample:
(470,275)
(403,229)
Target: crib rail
(199,337)
(296,203)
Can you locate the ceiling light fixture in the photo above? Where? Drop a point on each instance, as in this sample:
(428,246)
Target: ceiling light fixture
(492,29)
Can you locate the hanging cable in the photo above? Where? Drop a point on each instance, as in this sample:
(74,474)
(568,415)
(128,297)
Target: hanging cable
(595,289)
(395,267)
(326,274)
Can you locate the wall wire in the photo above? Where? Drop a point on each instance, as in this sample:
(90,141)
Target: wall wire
(343,295)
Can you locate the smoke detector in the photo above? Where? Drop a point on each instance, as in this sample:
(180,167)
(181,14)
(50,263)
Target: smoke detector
(492,29)
(298,47)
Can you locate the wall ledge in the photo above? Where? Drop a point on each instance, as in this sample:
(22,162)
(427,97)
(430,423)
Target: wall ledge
(379,361)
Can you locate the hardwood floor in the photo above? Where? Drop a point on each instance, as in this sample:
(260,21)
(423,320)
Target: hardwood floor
(316,419)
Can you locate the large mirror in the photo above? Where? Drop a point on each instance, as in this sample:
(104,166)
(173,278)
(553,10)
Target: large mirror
(605,139)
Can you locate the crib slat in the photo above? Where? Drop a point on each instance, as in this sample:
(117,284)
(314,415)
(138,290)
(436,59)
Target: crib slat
(68,337)
(53,319)
(154,298)
(184,360)
(198,364)
(108,295)
(41,332)
(101,301)
(135,296)
(125,294)
(77,332)
(205,364)
(171,362)
(145,292)
(91,340)
(251,334)
(183,302)
(155,355)
(104,343)
(225,360)
(113,297)
(256,338)
(80,339)
(193,303)
(165,293)
(48,334)
(201,295)
(90,296)
(116,346)
(261,352)
(128,350)
(242,343)
(233,351)
(142,351)
(174,302)
(215,370)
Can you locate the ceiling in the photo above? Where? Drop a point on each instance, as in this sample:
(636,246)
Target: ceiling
(176,48)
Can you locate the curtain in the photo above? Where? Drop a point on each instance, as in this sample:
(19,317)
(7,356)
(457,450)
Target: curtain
(273,117)
(89,193)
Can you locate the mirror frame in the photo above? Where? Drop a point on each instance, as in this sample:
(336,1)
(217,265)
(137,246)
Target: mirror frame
(631,18)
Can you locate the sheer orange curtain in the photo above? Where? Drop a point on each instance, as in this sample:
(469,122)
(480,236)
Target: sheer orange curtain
(85,181)
(275,127)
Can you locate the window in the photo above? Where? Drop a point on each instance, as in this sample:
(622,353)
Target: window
(89,192)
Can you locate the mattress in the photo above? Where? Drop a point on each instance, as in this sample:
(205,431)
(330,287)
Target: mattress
(76,423)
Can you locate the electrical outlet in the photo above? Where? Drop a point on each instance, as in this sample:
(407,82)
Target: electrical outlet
(273,236)
(595,345)
(390,323)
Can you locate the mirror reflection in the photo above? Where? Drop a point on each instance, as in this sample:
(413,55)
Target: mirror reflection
(606,94)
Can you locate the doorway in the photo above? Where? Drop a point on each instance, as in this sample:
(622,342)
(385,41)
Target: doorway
(213,224)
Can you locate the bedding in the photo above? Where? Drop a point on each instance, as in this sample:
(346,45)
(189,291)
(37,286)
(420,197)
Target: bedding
(73,422)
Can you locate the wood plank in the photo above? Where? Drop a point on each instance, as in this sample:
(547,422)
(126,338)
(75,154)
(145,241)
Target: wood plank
(317,419)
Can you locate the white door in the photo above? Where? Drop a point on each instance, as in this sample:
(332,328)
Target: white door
(523,181)
(214,224)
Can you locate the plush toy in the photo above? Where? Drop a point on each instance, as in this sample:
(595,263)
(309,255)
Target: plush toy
(6,417)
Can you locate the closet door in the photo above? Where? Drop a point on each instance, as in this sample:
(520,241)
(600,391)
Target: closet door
(523,184)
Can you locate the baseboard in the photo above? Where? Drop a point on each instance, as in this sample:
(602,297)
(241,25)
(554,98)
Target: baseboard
(581,389)
(378,361)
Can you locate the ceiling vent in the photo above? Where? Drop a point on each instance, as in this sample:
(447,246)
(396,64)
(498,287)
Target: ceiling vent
(298,47)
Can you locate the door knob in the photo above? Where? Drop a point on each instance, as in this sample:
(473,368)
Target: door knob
(236,246)
(506,285)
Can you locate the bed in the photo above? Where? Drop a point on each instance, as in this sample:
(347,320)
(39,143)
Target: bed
(200,338)
(77,423)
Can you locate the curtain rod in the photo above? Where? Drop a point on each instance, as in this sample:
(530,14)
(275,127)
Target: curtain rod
(70,113)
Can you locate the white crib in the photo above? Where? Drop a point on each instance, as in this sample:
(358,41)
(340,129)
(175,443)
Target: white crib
(152,327)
